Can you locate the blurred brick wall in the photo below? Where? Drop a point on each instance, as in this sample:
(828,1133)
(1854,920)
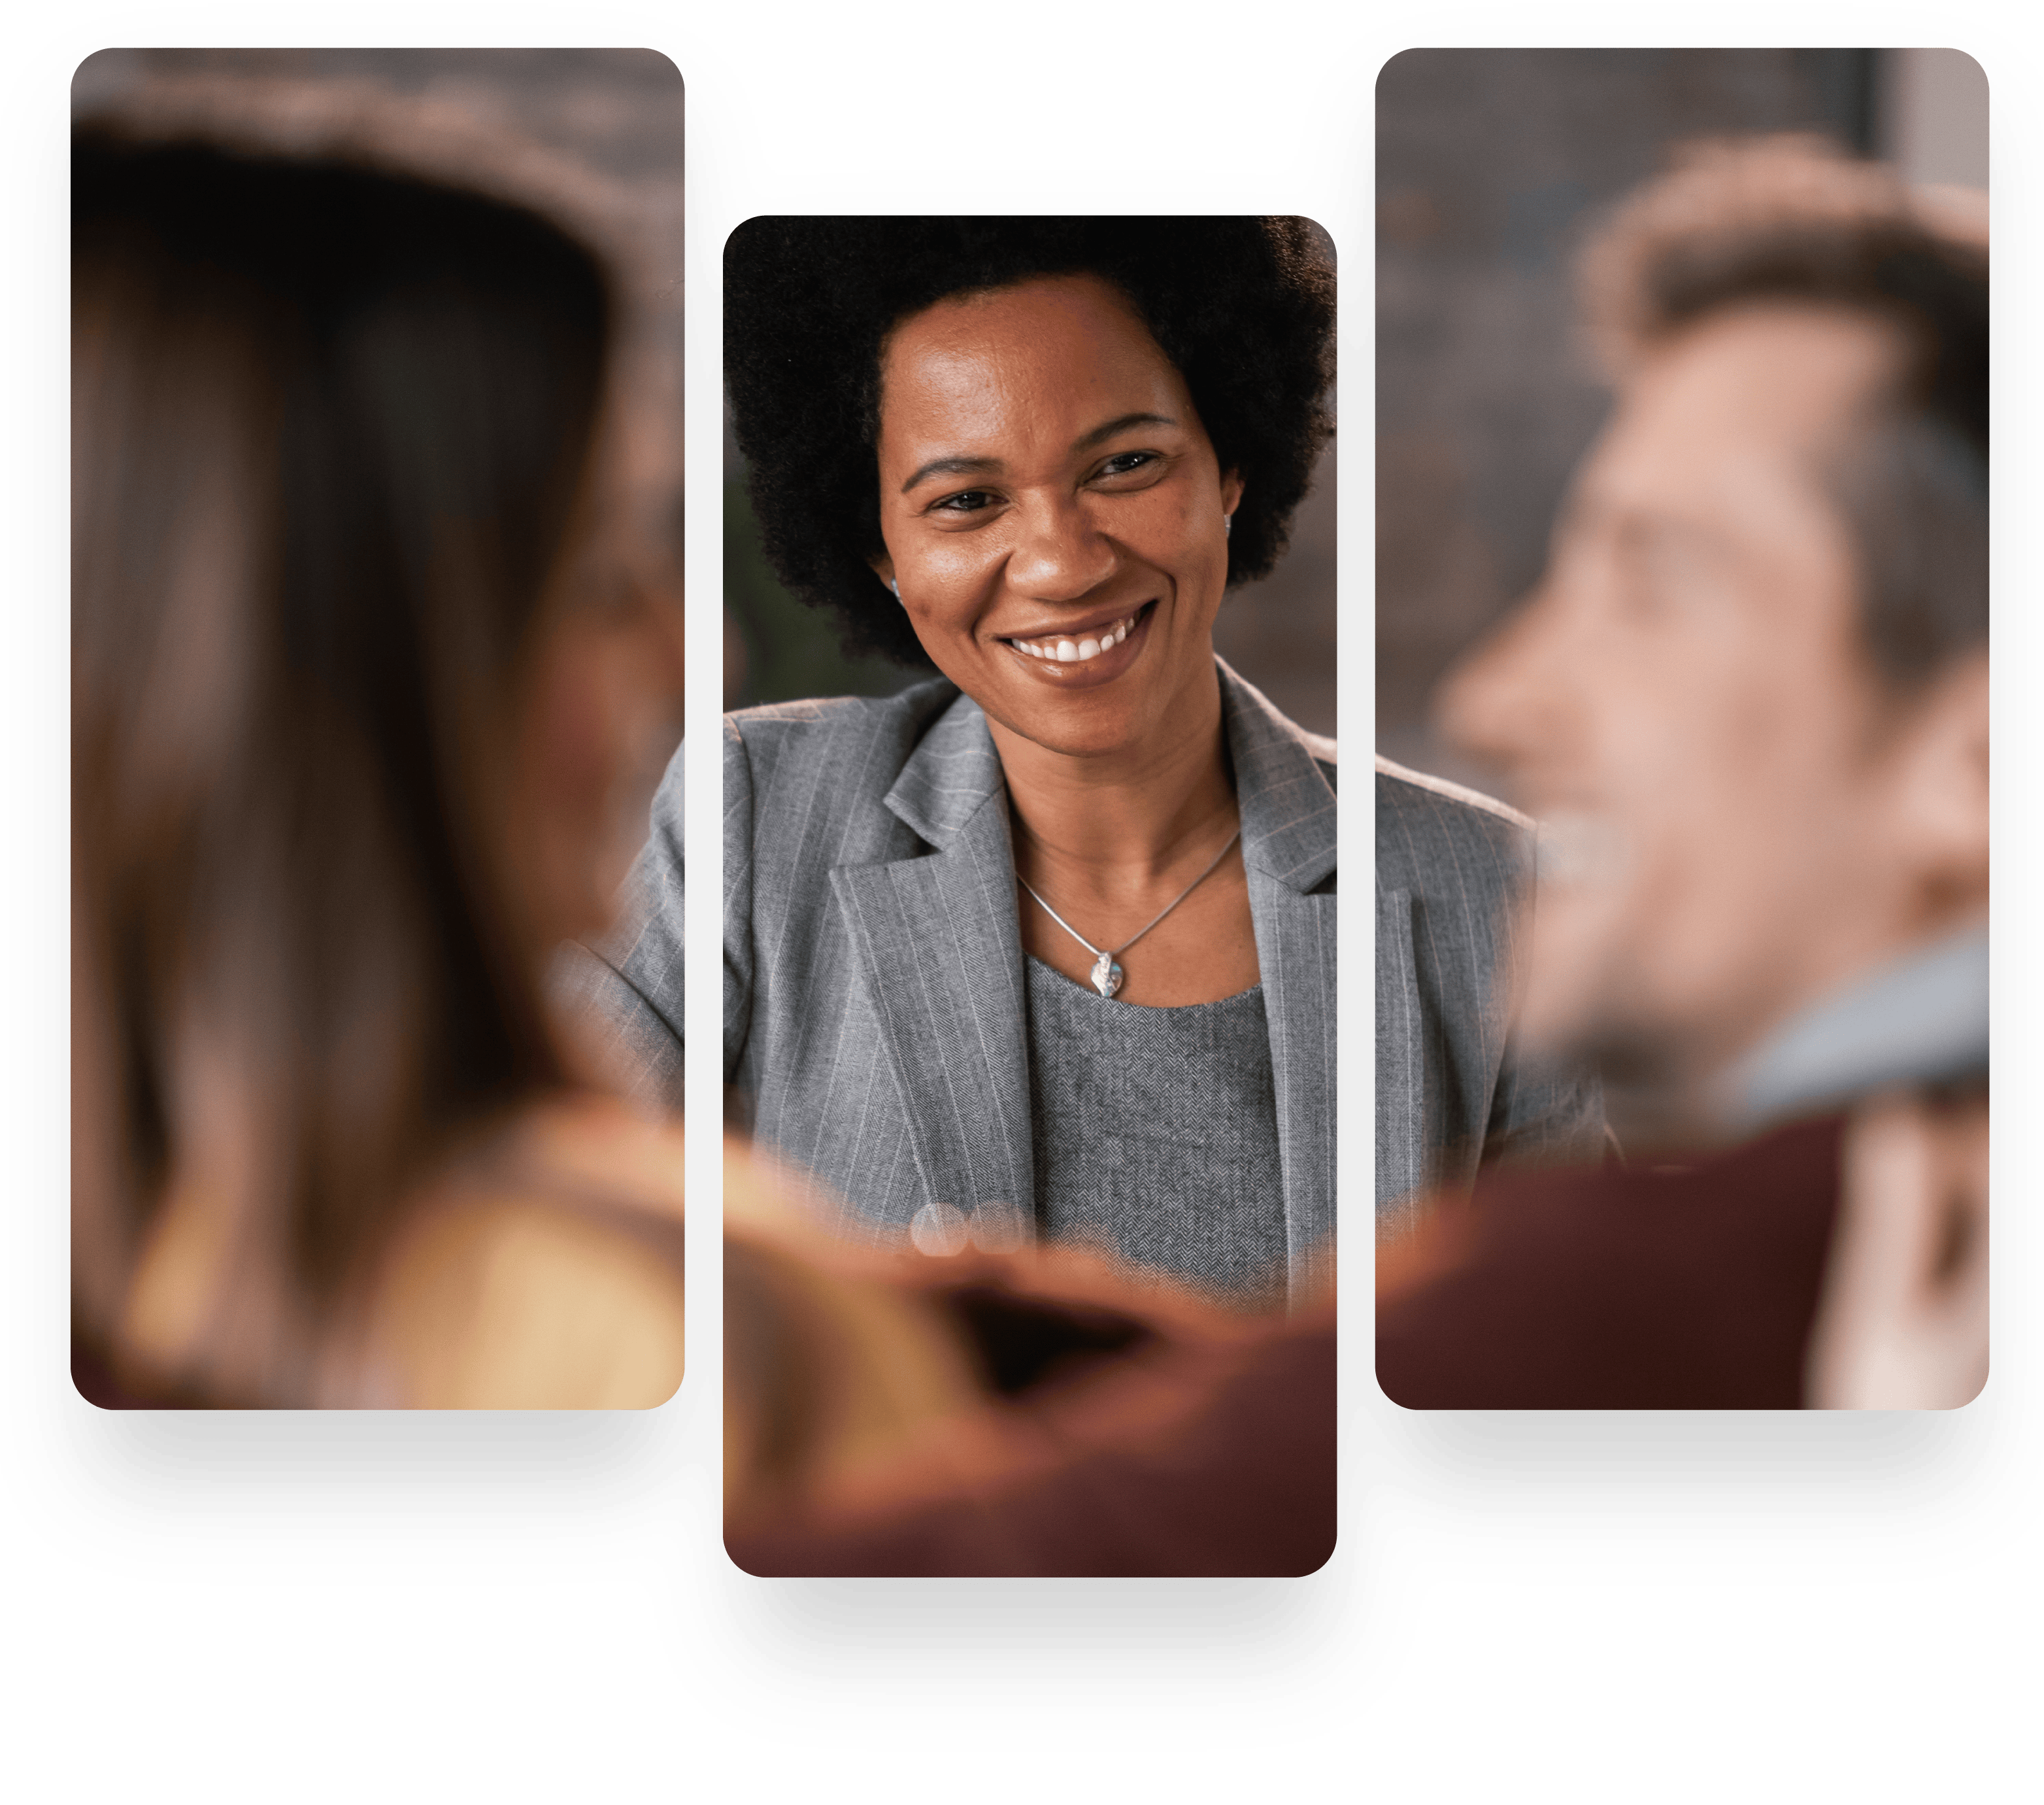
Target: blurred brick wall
(1490,164)
(617,115)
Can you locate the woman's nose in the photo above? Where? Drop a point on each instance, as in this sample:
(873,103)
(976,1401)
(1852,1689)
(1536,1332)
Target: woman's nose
(1060,554)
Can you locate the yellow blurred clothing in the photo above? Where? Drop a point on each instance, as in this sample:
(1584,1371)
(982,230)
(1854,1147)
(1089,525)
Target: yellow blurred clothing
(834,1366)
(539,1269)
(1026,1412)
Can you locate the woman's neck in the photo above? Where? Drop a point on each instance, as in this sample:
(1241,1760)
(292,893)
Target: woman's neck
(1138,812)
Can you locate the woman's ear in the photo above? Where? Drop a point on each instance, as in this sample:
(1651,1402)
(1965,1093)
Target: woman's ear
(1230,492)
(883,568)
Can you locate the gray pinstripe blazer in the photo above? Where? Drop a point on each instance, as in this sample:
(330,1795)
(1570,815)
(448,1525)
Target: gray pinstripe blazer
(873,997)
(1449,1092)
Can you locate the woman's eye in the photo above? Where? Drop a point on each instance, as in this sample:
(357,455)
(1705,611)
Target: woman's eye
(1122,463)
(968,501)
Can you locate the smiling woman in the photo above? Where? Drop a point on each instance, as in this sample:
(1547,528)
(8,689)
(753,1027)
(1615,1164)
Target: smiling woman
(1041,948)
(1071,593)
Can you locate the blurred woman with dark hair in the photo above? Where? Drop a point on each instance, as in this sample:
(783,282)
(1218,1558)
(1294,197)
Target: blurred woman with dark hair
(358,655)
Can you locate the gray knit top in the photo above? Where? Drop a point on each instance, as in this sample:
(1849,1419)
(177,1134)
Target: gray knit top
(1155,1131)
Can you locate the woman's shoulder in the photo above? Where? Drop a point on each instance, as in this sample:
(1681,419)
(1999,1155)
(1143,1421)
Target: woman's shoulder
(544,1272)
(1427,825)
(1404,786)
(1248,705)
(1321,749)
(869,716)
(824,732)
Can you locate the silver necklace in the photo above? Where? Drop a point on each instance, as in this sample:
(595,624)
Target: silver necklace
(1106,974)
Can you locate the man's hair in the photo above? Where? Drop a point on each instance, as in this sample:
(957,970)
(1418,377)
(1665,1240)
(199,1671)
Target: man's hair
(1792,219)
(1244,308)
(329,428)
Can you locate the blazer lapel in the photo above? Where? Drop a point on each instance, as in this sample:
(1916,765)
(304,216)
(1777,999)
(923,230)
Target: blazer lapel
(1289,854)
(1402,1129)
(940,955)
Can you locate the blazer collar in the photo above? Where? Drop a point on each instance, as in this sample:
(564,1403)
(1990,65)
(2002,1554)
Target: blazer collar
(952,774)
(1287,803)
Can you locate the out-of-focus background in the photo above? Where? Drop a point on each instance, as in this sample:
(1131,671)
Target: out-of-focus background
(612,117)
(593,139)
(616,111)
(1492,165)
(1279,634)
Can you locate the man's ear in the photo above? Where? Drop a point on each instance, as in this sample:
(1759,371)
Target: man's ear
(1941,814)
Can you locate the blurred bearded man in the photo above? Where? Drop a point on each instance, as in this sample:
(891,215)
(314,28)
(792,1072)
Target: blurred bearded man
(1749,705)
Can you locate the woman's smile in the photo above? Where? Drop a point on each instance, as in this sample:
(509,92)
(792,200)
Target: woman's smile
(1087,651)
(1054,514)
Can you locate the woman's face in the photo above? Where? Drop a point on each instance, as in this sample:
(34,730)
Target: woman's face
(1053,513)
(600,711)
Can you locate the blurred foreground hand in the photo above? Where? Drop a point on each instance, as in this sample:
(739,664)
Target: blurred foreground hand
(1029,1412)
(1903,1324)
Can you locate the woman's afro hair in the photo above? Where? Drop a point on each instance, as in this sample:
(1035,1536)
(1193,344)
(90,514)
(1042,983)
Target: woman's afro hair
(1244,307)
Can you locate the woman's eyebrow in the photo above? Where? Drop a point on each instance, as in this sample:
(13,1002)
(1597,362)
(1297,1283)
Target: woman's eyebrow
(1121,425)
(980,466)
(952,467)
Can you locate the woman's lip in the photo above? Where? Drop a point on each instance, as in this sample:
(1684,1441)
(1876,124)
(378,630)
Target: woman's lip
(1048,639)
(1089,628)
(1102,667)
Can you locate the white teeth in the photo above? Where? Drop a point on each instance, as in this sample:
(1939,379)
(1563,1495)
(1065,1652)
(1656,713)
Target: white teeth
(1079,652)
(1076,650)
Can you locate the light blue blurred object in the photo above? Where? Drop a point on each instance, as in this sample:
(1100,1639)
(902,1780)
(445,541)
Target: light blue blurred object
(1921,1020)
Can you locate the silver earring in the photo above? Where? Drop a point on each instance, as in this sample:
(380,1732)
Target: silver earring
(1227,525)
(896,587)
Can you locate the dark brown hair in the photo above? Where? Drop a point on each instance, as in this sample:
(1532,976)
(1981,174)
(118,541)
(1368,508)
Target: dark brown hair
(1243,307)
(329,428)
(1792,218)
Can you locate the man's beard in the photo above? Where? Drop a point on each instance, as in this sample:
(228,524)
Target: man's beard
(1653,1097)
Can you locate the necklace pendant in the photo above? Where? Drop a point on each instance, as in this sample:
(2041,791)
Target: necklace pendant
(1106,974)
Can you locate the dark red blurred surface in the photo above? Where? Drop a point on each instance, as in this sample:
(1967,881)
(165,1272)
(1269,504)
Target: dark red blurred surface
(1623,1287)
(1242,1484)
